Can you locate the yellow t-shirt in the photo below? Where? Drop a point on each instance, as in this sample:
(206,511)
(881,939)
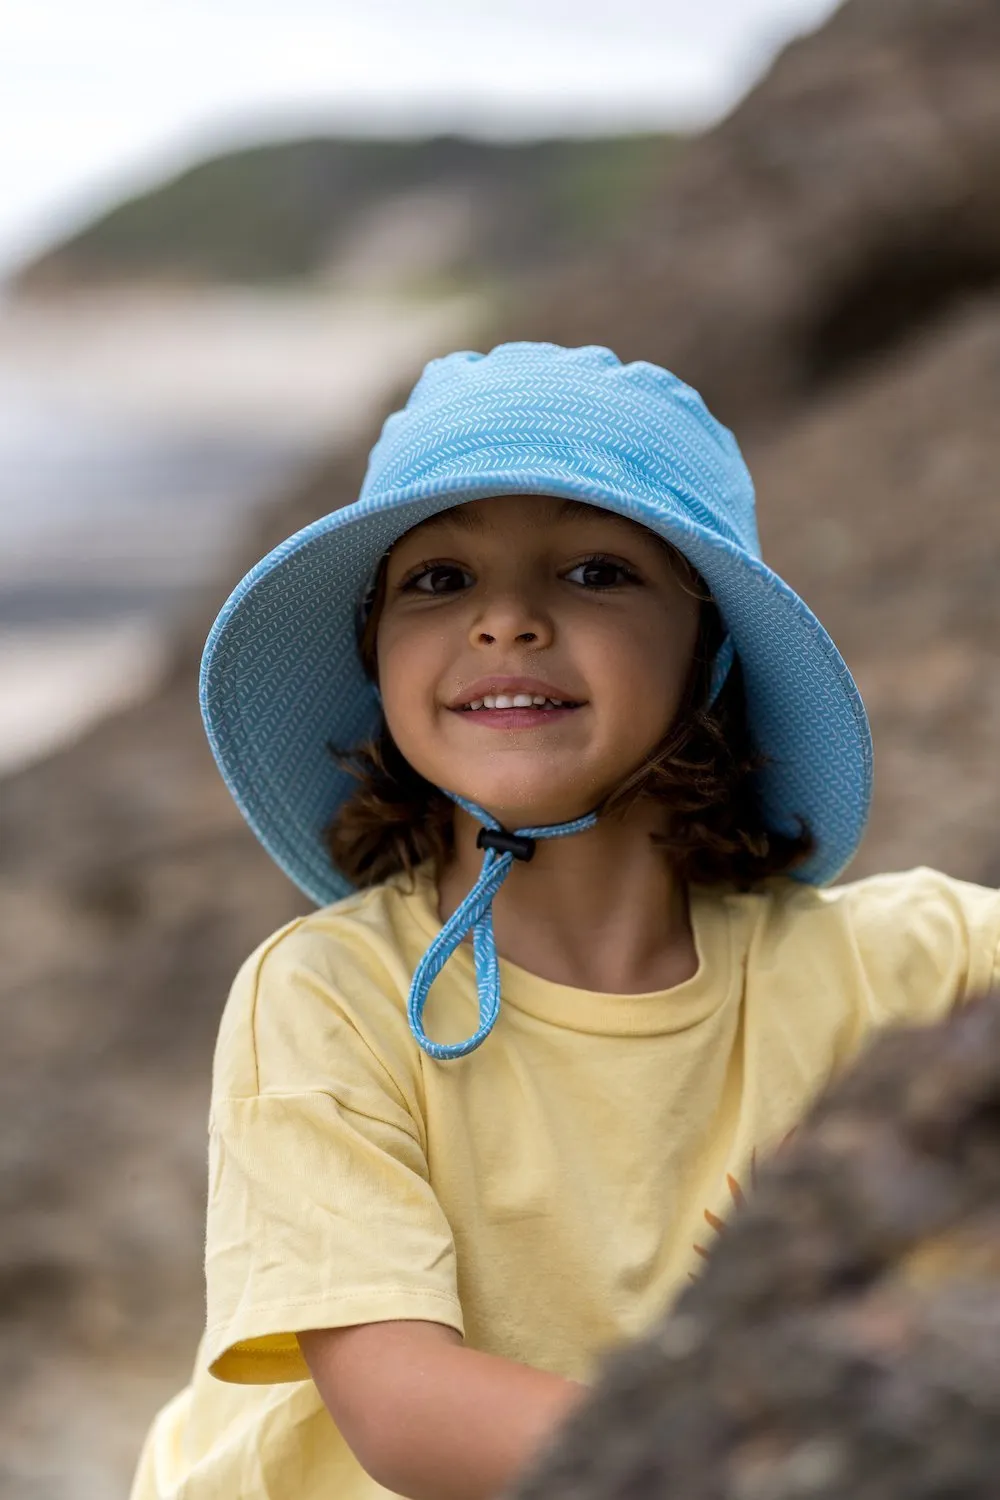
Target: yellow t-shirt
(545,1195)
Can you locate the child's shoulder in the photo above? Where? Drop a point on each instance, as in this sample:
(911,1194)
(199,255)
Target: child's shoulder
(322,982)
(891,885)
(897,900)
(915,935)
(383,918)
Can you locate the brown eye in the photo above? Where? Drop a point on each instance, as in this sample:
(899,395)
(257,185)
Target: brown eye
(440,578)
(602,573)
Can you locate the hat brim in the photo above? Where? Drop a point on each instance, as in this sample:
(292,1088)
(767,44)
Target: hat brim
(281,679)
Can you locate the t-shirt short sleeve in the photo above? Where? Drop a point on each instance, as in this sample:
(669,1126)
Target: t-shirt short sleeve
(926,941)
(320,1209)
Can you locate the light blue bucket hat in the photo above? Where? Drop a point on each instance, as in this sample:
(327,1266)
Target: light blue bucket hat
(281,676)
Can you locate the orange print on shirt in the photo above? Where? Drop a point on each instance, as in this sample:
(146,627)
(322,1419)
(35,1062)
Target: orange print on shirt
(739,1197)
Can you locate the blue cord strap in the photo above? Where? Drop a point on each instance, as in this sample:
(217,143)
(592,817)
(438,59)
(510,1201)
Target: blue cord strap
(475,914)
(720,669)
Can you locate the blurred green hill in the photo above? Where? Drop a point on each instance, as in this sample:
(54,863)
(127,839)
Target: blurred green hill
(329,208)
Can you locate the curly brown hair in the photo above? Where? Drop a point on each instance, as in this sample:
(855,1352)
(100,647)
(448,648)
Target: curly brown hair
(703,770)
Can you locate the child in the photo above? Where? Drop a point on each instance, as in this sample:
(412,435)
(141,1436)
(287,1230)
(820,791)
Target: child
(475,1120)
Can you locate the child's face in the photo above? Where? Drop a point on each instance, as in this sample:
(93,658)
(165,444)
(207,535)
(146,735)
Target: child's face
(586,604)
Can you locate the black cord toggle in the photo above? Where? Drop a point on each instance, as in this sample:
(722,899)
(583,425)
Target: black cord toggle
(505,842)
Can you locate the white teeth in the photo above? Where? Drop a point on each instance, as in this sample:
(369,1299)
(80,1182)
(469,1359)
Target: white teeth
(517,700)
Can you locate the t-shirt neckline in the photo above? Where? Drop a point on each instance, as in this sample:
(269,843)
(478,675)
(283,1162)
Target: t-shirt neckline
(653,1012)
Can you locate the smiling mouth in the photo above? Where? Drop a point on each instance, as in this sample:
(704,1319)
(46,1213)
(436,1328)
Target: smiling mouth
(522,701)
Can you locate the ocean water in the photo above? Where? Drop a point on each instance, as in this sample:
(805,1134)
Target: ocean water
(137,438)
(101,517)
(108,529)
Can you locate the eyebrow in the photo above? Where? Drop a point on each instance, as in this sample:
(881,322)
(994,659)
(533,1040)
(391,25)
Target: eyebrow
(470,520)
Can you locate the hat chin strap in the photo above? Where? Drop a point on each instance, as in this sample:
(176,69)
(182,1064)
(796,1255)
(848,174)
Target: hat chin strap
(475,914)
(721,667)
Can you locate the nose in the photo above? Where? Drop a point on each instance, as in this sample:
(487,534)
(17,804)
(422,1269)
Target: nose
(511,618)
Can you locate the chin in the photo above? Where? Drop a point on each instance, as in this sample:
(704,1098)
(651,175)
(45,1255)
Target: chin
(525,806)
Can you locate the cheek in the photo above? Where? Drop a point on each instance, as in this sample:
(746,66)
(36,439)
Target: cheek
(639,706)
(644,670)
(409,660)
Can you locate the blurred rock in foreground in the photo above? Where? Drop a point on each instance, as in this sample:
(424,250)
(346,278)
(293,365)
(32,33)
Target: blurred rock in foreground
(844,1338)
(859,180)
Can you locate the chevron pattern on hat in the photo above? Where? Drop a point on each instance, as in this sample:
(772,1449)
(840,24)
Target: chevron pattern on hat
(281,675)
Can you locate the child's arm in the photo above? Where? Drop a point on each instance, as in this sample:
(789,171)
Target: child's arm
(429,1418)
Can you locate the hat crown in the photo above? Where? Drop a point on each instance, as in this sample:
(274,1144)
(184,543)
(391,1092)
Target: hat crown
(656,431)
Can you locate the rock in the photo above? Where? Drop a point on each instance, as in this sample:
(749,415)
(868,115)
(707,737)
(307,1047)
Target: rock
(844,1338)
(878,502)
(851,199)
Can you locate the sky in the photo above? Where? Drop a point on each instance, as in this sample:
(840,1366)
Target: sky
(99,98)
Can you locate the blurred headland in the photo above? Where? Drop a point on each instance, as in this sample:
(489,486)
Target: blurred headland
(360,214)
(825,266)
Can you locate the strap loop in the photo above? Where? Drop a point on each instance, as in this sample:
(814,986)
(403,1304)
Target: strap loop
(475,915)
